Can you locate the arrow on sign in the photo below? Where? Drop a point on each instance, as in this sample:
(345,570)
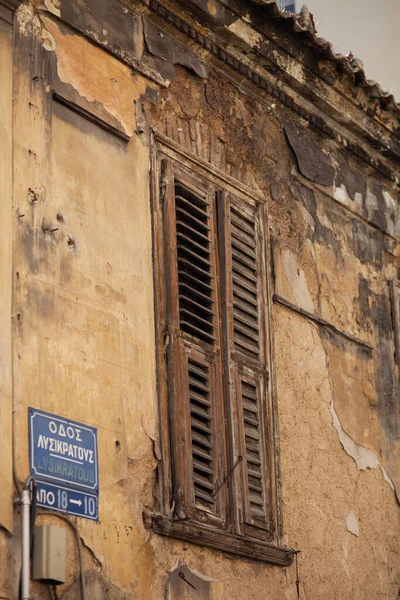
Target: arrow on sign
(78,502)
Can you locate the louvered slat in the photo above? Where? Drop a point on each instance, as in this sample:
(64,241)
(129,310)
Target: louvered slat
(195,278)
(201,433)
(244,284)
(251,422)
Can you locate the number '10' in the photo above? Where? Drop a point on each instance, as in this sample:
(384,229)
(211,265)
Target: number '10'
(90,505)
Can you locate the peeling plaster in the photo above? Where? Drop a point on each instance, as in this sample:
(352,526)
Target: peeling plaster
(163,47)
(371,204)
(297,281)
(29,21)
(358,198)
(340,194)
(246,33)
(109,83)
(391,212)
(200,586)
(26,19)
(313,161)
(363,457)
(53,6)
(389,201)
(293,68)
(352,524)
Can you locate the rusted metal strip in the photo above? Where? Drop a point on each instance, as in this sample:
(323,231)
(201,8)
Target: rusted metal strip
(227,476)
(320,321)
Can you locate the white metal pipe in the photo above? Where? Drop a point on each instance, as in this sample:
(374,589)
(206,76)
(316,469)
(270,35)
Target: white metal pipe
(25,552)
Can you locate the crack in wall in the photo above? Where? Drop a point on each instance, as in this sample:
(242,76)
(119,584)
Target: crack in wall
(96,560)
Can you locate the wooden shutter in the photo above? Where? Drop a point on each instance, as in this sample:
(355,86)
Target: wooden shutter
(245,309)
(245,284)
(202,433)
(194,357)
(196,279)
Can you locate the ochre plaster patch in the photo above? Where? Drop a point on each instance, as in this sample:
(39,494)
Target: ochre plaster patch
(97,76)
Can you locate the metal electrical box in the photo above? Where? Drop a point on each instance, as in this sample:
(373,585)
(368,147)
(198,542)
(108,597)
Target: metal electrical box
(49,554)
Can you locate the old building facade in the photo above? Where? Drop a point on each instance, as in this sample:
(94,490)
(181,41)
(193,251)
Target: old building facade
(200,259)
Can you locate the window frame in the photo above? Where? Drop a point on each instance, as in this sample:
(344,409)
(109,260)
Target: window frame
(237,535)
(395,302)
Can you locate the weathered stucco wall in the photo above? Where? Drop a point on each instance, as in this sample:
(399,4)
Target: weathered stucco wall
(6,488)
(83,308)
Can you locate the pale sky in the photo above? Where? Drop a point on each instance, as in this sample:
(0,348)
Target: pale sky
(369,29)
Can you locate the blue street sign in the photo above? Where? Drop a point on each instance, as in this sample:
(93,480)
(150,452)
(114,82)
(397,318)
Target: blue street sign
(63,451)
(67,500)
(63,460)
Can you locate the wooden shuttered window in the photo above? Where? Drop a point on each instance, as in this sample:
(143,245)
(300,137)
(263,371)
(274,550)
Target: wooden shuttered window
(246,357)
(194,350)
(215,349)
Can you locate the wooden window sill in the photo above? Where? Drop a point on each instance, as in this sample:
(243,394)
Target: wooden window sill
(204,535)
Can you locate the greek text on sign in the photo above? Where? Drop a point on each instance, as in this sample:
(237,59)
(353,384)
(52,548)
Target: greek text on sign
(63,451)
(67,500)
